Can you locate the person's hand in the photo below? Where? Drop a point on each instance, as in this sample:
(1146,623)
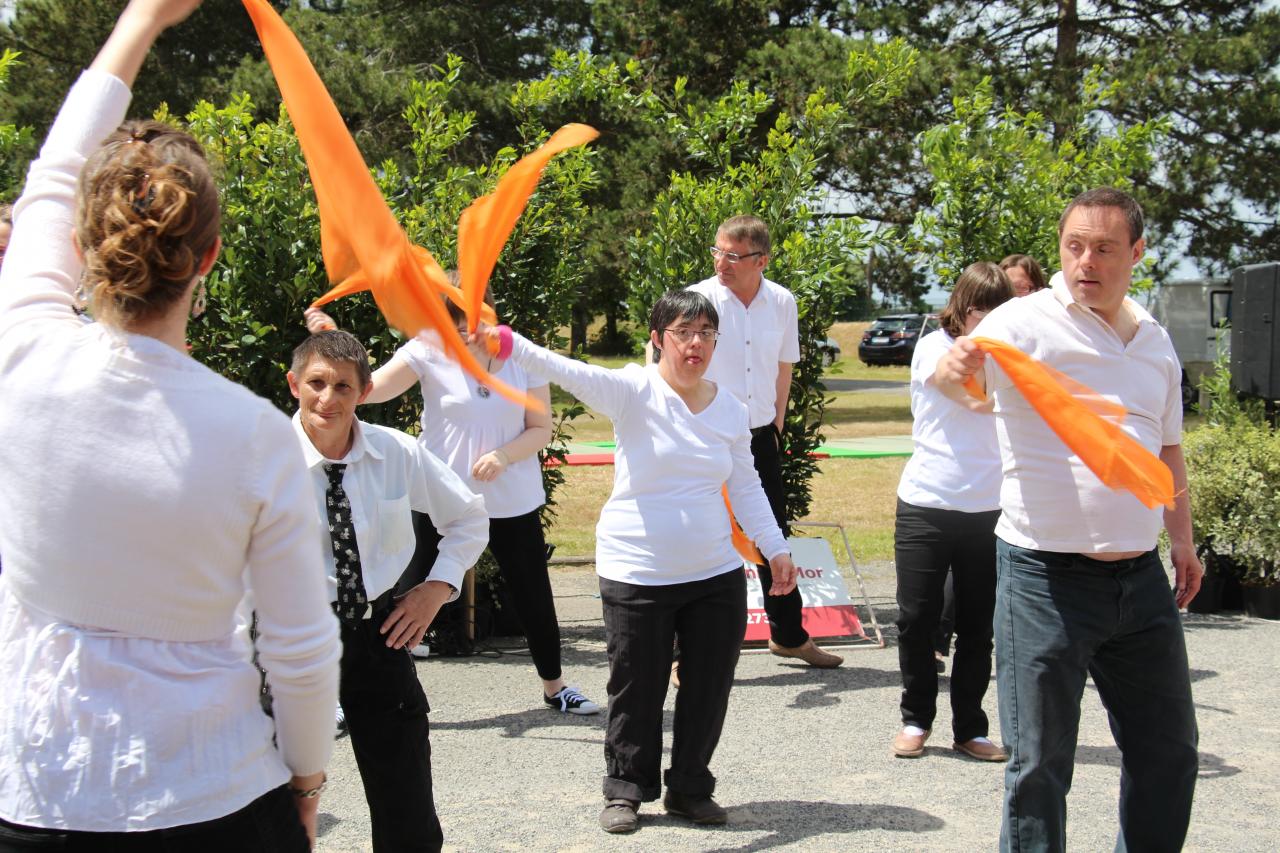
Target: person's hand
(784,574)
(1187,573)
(162,13)
(318,321)
(489,466)
(413,614)
(959,363)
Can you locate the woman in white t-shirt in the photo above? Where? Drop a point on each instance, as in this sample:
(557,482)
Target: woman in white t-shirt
(492,444)
(665,556)
(948,503)
(143,495)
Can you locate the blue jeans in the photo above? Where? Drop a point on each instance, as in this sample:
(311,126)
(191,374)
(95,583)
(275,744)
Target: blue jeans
(1059,618)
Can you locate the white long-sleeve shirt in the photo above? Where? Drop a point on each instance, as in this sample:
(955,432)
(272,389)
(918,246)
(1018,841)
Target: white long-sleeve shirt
(666,521)
(142,495)
(390,473)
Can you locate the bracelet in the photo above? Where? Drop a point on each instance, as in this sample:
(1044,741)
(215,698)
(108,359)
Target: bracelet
(506,342)
(311,793)
(502,457)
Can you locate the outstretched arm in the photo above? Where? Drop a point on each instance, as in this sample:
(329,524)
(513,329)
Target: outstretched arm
(137,28)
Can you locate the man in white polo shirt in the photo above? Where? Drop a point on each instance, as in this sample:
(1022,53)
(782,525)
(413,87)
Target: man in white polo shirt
(759,341)
(1081,590)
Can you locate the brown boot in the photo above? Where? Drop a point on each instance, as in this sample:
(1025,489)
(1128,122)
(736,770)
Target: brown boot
(907,745)
(809,653)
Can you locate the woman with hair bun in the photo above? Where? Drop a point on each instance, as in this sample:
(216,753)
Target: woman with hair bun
(948,503)
(144,496)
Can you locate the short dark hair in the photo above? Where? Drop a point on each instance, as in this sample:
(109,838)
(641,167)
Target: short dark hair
(749,228)
(981,287)
(1028,265)
(1109,197)
(333,345)
(675,305)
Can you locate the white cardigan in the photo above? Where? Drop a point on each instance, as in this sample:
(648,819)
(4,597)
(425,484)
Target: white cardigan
(666,521)
(142,497)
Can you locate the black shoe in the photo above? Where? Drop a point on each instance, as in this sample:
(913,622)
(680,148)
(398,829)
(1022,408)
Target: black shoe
(620,816)
(700,810)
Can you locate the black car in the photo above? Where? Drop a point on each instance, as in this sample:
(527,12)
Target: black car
(892,339)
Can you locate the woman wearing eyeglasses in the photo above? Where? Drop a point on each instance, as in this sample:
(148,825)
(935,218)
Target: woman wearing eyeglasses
(664,554)
(948,503)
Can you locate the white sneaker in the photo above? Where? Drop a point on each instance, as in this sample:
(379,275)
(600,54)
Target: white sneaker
(421,651)
(339,722)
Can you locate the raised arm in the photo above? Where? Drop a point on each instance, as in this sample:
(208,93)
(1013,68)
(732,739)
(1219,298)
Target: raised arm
(607,391)
(136,30)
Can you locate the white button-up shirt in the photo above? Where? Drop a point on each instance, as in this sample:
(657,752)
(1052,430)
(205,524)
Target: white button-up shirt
(388,474)
(1049,500)
(753,340)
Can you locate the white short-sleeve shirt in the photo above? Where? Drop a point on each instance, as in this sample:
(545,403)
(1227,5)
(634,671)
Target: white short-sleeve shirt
(955,463)
(1049,500)
(753,340)
(463,420)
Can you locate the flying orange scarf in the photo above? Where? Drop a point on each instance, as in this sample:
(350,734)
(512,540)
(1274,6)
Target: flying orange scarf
(1087,423)
(363,245)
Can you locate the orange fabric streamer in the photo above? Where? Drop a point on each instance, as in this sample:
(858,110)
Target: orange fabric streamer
(744,546)
(363,245)
(1079,416)
(485,225)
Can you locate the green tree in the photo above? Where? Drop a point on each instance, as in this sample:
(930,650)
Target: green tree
(1001,179)
(17,144)
(730,171)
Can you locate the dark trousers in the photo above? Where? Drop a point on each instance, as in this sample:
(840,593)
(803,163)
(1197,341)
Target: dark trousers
(1059,619)
(783,610)
(927,544)
(267,825)
(520,550)
(640,623)
(386,714)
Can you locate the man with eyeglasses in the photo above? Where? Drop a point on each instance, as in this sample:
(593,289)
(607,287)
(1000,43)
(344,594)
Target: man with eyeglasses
(759,341)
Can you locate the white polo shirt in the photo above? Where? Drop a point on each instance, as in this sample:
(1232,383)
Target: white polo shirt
(1049,500)
(753,340)
(388,474)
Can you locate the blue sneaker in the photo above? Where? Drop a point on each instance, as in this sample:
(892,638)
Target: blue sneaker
(570,701)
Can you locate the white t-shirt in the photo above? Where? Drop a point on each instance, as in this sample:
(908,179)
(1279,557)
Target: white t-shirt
(956,461)
(753,340)
(460,424)
(666,522)
(1049,500)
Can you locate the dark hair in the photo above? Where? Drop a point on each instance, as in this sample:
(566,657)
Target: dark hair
(1028,265)
(333,345)
(675,305)
(748,228)
(146,214)
(1109,197)
(981,287)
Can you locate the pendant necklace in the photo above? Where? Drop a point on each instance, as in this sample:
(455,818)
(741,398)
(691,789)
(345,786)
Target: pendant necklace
(481,388)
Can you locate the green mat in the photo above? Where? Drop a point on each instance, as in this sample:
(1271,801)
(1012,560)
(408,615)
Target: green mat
(841,448)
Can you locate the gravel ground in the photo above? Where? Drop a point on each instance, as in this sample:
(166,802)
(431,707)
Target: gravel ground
(804,763)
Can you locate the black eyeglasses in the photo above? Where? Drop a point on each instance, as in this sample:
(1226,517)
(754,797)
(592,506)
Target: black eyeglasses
(732,257)
(685,335)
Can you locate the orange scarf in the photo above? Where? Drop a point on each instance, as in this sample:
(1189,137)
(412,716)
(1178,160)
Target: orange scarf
(1087,423)
(363,245)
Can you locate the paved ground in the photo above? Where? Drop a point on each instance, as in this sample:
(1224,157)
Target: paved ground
(835,383)
(804,763)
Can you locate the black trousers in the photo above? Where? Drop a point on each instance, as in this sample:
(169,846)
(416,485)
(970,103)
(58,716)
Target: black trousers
(520,550)
(927,542)
(386,714)
(267,825)
(640,623)
(783,610)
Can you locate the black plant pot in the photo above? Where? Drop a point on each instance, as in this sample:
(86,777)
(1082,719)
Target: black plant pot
(1220,587)
(1262,602)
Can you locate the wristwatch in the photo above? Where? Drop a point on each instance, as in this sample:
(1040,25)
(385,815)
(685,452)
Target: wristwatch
(310,793)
